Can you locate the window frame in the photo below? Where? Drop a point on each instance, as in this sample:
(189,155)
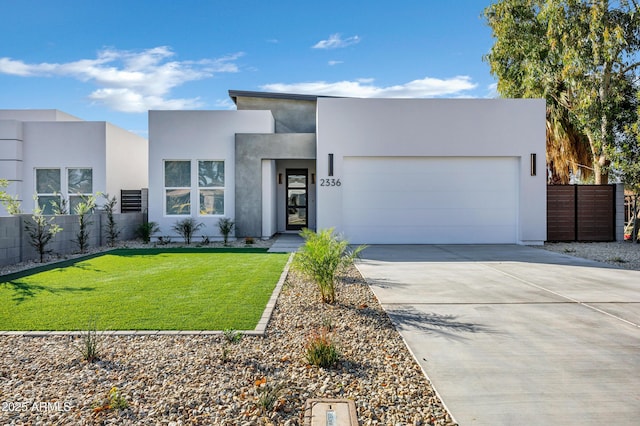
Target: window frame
(47,210)
(166,188)
(77,195)
(214,187)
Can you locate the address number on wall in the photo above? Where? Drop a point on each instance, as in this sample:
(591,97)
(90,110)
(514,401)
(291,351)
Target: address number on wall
(330,182)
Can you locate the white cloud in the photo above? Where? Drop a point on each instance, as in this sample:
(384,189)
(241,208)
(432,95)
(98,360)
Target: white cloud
(364,88)
(131,81)
(335,41)
(332,63)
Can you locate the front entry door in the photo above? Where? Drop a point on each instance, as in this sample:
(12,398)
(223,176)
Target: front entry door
(297,208)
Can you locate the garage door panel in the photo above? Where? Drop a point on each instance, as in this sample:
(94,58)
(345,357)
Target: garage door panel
(421,217)
(430,199)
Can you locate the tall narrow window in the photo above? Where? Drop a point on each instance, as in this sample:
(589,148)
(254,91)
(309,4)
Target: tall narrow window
(211,187)
(177,183)
(47,189)
(79,186)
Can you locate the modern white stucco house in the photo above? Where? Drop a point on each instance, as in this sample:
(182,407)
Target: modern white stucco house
(52,154)
(393,171)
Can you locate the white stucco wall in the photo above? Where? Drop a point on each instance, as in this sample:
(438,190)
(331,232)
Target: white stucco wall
(197,135)
(435,128)
(62,145)
(31,139)
(127,161)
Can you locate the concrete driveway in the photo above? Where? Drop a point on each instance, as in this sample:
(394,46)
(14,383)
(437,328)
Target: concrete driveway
(514,335)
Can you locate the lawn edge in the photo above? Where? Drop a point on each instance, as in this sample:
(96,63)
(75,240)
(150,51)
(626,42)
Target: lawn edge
(259,330)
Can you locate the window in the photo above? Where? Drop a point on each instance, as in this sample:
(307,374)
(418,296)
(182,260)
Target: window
(47,189)
(79,186)
(211,187)
(177,183)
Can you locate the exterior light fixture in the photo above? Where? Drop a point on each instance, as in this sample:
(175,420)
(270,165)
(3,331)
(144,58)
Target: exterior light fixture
(280,178)
(533,164)
(330,164)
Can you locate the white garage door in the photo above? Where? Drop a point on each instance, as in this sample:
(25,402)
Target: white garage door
(430,200)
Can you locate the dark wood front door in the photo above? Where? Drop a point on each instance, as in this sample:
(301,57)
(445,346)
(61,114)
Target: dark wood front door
(297,191)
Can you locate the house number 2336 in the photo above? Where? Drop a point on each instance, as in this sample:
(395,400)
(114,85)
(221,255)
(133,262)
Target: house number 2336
(330,182)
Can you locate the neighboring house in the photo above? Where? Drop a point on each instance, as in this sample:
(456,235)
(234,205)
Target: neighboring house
(51,154)
(394,171)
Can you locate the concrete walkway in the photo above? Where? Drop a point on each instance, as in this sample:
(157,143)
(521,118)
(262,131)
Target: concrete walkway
(513,335)
(286,243)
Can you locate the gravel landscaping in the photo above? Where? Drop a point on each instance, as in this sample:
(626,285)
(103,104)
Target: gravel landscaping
(621,254)
(181,379)
(204,380)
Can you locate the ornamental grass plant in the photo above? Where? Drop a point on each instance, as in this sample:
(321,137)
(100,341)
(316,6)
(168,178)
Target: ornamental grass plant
(322,257)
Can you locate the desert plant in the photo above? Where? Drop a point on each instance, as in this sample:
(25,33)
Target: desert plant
(10,202)
(146,230)
(230,337)
(84,211)
(113,401)
(321,350)
(90,342)
(225,225)
(322,257)
(112,227)
(269,394)
(40,231)
(186,228)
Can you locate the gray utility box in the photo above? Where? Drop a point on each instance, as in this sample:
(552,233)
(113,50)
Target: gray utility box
(330,412)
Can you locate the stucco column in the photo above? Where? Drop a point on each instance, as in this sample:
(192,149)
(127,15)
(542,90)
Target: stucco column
(251,149)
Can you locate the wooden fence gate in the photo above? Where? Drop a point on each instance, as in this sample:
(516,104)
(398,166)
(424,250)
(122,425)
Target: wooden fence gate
(581,212)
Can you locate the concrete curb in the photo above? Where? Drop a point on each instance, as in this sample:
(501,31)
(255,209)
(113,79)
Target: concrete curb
(260,330)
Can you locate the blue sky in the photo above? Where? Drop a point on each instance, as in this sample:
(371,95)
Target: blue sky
(113,59)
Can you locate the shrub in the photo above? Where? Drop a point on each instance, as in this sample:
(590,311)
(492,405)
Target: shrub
(186,228)
(321,350)
(112,227)
(225,225)
(40,231)
(90,342)
(321,257)
(113,401)
(10,202)
(249,241)
(269,395)
(146,230)
(84,210)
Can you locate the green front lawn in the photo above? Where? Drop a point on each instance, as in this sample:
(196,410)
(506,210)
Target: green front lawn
(144,289)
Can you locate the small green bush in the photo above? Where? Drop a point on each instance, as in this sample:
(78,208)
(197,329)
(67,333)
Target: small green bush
(90,342)
(146,230)
(322,257)
(225,225)
(40,231)
(269,394)
(186,228)
(321,350)
(112,227)
(84,211)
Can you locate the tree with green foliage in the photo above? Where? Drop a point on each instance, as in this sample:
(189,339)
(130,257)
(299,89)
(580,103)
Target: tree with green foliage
(84,210)
(582,56)
(186,228)
(322,257)
(10,202)
(112,227)
(41,231)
